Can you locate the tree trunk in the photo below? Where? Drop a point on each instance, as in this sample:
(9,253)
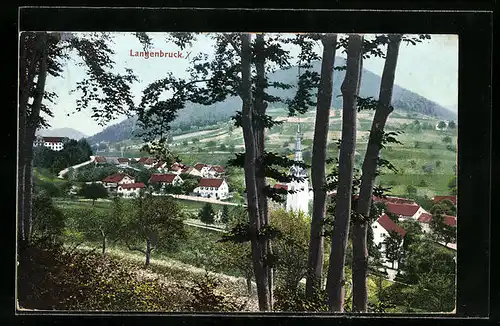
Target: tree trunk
(250,176)
(318,166)
(249,284)
(148,252)
(260,107)
(369,169)
(335,279)
(103,242)
(32,121)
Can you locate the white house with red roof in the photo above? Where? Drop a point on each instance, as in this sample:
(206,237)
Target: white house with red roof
(381,231)
(100,160)
(54,143)
(403,211)
(189,170)
(212,188)
(216,171)
(112,181)
(130,190)
(166,179)
(203,169)
(123,161)
(453,199)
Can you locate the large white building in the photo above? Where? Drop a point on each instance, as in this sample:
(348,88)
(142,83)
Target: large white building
(54,143)
(299,199)
(212,188)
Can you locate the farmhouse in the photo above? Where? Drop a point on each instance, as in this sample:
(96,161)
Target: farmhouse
(111,182)
(123,161)
(100,160)
(188,170)
(128,190)
(176,168)
(166,179)
(216,171)
(212,188)
(403,211)
(160,166)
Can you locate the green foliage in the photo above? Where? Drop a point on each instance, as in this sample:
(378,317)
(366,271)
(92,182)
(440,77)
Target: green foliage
(411,190)
(189,185)
(73,152)
(441,125)
(154,220)
(422,183)
(52,278)
(93,191)
(207,214)
(447,140)
(48,220)
(206,297)
(452,186)
(225,214)
(393,248)
(452,125)
(291,247)
(48,187)
(287,300)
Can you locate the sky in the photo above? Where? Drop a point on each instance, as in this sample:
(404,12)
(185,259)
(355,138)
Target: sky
(430,69)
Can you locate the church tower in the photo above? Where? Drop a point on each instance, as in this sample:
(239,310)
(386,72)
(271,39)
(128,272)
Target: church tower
(299,200)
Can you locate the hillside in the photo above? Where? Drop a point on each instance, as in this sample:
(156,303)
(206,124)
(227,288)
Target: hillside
(62,132)
(195,115)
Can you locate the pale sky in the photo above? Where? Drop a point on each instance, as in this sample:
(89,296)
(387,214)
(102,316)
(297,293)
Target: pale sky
(430,69)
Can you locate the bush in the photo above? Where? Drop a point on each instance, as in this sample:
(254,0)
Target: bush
(411,190)
(296,301)
(422,183)
(52,278)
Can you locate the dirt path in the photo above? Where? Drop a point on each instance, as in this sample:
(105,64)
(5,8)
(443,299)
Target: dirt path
(194,134)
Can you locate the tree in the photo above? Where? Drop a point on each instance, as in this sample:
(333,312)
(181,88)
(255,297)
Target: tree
(318,166)
(350,91)
(207,214)
(154,222)
(447,140)
(291,247)
(411,190)
(441,125)
(225,214)
(43,54)
(442,231)
(452,125)
(369,172)
(189,185)
(452,186)
(102,225)
(93,191)
(48,220)
(393,250)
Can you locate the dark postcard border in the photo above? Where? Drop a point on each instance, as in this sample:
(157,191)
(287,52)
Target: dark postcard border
(474,103)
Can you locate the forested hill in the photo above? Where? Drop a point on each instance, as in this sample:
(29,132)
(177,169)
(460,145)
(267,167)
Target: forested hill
(199,115)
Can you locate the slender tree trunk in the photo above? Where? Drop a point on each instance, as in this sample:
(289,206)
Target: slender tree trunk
(369,169)
(148,252)
(335,279)
(250,175)
(32,122)
(249,284)
(103,242)
(318,166)
(260,107)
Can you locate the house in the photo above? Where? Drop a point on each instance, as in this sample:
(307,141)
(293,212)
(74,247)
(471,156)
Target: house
(166,179)
(453,199)
(100,160)
(403,211)
(188,170)
(54,143)
(129,190)
(426,218)
(112,160)
(381,231)
(111,182)
(212,188)
(149,162)
(160,166)
(203,169)
(216,171)
(123,161)
(176,168)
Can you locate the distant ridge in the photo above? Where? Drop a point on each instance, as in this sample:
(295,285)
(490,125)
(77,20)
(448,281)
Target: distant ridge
(62,132)
(404,100)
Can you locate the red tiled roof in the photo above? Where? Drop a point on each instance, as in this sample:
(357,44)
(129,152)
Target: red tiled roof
(447,219)
(402,209)
(167,177)
(132,185)
(53,139)
(123,159)
(186,169)
(115,178)
(453,199)
(390,225)
(142,160)
(159,164)
(395,200)
(208,182)
(150,161)
(217,168)
(199,166)
(100,159)
(280,186)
